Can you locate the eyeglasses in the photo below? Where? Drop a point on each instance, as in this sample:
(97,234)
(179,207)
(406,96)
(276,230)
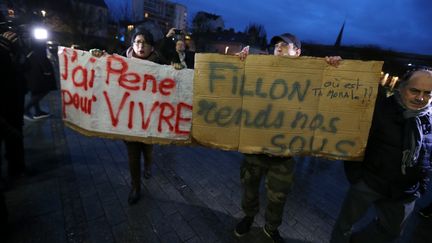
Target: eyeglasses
(143,43)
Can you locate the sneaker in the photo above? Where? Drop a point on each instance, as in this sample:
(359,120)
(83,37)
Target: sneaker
(426,212)
(243,226)
(274,235)
(40,115)
(28,117)
(134,196)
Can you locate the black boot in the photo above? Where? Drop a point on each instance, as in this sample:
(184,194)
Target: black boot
(134,196)
(243,227)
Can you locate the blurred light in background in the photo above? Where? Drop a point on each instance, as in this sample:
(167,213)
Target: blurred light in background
(40,33)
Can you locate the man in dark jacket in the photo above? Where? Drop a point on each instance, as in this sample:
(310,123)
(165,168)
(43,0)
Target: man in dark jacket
(174,49)
(394,172)
(11,104)
(11,116)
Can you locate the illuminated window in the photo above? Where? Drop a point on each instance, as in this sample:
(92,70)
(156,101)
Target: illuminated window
(130,27)
(146,15)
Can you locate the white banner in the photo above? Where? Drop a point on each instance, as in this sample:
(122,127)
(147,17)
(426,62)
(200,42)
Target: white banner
(125,96)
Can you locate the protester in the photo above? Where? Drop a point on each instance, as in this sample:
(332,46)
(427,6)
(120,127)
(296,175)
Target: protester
(278,171)
(52,49)
(142,48)
(178,55)
(12,89)
(394,171)
(11,115)
(40,81)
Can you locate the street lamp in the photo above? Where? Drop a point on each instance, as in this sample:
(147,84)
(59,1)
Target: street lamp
(40,33)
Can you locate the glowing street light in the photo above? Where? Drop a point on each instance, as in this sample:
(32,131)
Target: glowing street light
(43,12)
(40,33)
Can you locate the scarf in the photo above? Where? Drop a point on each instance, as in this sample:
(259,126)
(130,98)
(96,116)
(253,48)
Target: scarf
(413,133)
(182,57)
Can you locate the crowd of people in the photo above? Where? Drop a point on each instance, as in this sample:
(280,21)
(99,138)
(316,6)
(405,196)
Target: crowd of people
(392,176)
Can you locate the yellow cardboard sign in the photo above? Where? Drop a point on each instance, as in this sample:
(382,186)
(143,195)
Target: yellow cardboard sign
(284,106)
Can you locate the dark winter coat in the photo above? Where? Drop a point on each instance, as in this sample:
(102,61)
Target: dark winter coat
(12,89)
(40,74)
(167,47)
(381,167)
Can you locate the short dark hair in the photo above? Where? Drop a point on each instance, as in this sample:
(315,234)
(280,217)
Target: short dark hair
(145,33)
(414,69)
(408,74)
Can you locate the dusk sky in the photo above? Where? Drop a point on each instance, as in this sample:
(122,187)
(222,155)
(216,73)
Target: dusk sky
(400,25)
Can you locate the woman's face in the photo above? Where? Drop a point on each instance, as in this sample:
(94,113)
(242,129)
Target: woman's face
(141,48)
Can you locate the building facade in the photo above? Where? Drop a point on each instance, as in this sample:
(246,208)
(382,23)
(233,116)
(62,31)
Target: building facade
(165,14)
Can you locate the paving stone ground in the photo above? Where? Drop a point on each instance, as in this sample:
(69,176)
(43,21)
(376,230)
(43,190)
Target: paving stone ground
(79,185)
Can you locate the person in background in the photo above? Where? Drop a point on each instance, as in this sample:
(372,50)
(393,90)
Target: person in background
(52,49)
(395,169)
(175,50)
(12,92)
(278,171)
(40,81)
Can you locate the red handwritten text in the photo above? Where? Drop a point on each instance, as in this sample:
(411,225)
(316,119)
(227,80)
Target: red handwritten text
(117,70)
(81,76)
(169,117)
(76,101)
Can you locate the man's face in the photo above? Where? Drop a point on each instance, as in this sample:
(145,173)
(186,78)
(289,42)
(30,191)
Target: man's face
(141,48)
(286,49)
(417,93)
(180,46)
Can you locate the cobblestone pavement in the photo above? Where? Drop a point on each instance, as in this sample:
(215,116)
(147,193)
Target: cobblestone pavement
(79,185)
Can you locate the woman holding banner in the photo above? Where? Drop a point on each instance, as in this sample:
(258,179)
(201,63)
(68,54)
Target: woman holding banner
(142,47)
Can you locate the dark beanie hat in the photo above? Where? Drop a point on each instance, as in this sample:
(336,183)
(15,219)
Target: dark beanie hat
(147,35)
(288,38)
